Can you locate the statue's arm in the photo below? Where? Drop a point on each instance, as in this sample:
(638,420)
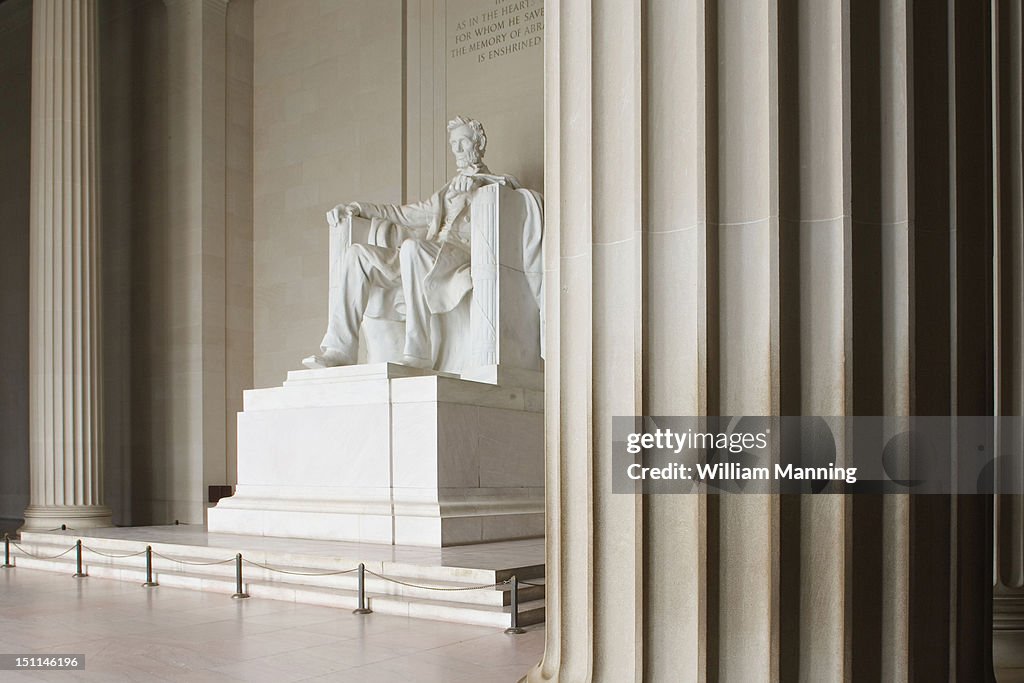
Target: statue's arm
(415,216)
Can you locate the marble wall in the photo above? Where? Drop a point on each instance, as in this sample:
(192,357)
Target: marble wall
(479,58)
(176,140)
(15,109)
(238,267)
(328,120)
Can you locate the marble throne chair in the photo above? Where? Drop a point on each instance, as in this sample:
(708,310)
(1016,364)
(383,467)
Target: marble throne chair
(495,334)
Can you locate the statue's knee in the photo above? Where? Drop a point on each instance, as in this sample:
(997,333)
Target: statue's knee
(355,254)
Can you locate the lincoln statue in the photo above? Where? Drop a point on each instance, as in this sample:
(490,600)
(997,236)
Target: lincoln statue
(423,272)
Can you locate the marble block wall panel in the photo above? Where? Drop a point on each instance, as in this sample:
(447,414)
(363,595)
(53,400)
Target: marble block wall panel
(368,453)
(468,462)
(303,524)
(451,531)
(452,445)
(330,446)
(335,394)
(415,455)
(445,444)
(463,392)
(510,446)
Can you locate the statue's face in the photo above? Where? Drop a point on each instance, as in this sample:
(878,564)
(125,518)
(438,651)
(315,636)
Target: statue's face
(464,146)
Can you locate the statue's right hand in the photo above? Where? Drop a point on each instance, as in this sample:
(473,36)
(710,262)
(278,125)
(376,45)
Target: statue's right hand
(335,215)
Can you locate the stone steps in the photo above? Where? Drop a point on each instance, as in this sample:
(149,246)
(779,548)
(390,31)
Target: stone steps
(292,578)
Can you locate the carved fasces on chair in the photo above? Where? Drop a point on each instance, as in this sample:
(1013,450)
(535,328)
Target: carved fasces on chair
(343,234)
(505,316)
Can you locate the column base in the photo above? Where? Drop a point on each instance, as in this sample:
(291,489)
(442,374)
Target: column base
(49,517)
(1008,631)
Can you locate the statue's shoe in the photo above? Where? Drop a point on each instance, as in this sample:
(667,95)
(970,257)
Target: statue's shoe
(415,362)
(314,362)
(329,359)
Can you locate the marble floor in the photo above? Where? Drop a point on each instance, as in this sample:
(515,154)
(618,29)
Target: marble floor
(128,633)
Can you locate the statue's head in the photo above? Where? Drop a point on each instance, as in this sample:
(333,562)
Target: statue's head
(468,141)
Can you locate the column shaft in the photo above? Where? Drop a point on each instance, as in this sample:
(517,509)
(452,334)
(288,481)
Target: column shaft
(65,438)
(1008,171)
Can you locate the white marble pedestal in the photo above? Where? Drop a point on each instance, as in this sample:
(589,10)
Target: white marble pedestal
(386,453)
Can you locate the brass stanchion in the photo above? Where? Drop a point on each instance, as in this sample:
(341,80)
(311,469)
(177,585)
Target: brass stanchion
(239,593)
(78,560)
(362,608)
(150,583)
(7,552)
(514,628)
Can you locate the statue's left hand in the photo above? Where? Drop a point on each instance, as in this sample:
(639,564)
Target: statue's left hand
(465,183)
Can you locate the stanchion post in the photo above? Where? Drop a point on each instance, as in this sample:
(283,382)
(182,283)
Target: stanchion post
(79,574)
(7,552)
(514,628)
(362,608)
(150,583)
(239,593)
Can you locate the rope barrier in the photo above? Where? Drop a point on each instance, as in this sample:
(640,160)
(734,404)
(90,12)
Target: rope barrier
(100,552)
(42,557)
(439,588)
(286,571)
(195,564)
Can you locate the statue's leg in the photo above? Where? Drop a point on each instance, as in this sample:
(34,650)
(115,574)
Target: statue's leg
(416,258)
(364,267)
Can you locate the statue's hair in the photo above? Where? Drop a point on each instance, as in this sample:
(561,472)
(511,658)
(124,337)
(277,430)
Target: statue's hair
(479,136)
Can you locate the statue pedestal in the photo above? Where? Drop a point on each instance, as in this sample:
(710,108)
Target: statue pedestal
(386,453)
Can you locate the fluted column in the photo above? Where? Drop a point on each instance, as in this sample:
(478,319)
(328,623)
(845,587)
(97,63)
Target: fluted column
(1008,170)
(65,439)
(766,207)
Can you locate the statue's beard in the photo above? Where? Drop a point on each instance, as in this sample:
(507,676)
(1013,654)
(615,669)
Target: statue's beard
(470,159)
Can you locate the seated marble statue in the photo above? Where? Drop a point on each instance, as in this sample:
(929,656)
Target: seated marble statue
(417,258)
